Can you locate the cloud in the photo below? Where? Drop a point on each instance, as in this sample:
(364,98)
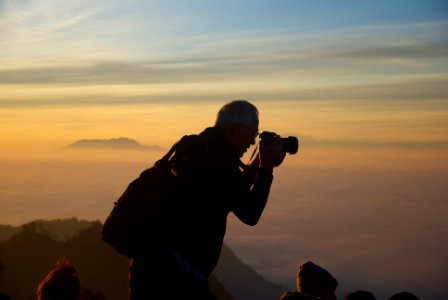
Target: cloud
(40,21)
(222,55)
(135,84)
(367,144)
(122,72)
(409,54)
(403,50)
(353,223)
(42,32)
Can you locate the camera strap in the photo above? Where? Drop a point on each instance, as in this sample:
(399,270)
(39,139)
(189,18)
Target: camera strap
(253,153)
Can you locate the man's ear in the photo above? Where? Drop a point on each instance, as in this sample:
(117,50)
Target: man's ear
(233,128)
(231,131)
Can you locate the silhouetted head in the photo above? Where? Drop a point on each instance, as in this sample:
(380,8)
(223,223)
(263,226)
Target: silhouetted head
(404,296)
(360,295)
(60,283)
(238,120)
(316,281)
(296,296)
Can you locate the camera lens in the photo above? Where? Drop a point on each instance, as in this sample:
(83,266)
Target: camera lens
(290,144)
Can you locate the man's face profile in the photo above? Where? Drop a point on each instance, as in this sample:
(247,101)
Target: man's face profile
(243,137)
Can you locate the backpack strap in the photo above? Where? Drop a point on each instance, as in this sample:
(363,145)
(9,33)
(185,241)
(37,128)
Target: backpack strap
(179,146)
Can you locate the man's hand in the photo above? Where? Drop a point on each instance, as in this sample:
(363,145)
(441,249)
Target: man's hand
(271,155)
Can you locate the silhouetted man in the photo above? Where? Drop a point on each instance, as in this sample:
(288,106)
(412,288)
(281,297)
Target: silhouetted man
(214,182)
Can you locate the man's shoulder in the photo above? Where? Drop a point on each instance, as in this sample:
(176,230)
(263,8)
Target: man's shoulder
(211,133)
(214,139)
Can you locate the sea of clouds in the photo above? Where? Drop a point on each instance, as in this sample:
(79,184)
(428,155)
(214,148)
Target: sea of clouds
(378,230)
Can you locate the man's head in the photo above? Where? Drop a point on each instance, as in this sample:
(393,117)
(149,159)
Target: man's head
(239,122)
(360,295)
(316,281)
(60,283)
(404,296)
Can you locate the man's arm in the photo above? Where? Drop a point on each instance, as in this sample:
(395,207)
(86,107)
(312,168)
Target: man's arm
(249,207)
(253,201)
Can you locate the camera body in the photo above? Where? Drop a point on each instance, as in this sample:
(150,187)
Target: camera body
(290,144)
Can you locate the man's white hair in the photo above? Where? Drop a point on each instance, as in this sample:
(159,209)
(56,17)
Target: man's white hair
(237,111)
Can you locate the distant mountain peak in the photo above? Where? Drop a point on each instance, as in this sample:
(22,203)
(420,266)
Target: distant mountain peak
(121,143)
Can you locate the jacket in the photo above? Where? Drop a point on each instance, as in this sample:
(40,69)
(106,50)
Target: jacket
(213,184)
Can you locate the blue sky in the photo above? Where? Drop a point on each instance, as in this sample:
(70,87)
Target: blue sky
(156,29)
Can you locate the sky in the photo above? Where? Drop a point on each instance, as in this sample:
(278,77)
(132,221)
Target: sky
(351,71)
(362,84)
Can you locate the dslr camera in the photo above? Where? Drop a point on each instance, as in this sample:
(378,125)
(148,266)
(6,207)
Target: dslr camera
(290,143)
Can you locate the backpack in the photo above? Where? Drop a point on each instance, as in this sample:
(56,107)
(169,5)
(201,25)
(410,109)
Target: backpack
(139,219)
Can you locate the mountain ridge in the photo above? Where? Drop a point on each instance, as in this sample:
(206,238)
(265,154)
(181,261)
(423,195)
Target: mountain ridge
(37,246)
